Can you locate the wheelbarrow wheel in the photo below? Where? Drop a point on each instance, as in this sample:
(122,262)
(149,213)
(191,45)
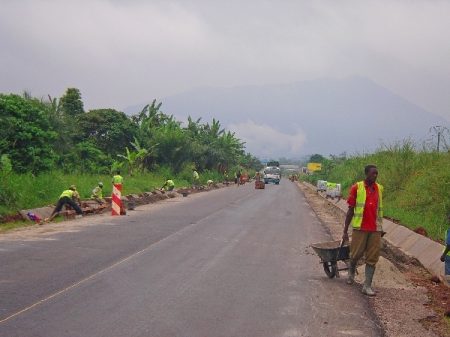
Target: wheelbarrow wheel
(330,269)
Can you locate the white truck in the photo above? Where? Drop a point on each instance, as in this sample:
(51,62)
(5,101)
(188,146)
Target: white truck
(272,174)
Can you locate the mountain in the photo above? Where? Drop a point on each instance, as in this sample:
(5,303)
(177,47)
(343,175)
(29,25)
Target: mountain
(317,116)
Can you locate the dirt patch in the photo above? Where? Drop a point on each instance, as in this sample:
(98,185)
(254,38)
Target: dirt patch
(11,217)
(387,276)
(408,303)
(421,231)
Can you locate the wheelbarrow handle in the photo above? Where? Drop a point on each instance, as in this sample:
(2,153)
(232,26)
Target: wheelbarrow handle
(339,250)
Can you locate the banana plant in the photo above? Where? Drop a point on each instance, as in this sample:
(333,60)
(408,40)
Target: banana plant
(136,159)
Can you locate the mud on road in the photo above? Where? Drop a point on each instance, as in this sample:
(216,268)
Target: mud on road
(408,303)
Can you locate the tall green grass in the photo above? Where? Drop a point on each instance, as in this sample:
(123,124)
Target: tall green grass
(24,191)
(416,184)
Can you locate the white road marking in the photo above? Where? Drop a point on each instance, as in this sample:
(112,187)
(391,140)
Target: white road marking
(74,285)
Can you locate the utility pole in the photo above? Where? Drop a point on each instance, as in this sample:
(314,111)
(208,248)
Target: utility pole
(439,131)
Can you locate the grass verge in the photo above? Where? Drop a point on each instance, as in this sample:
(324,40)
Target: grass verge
(416,184)
(25,191)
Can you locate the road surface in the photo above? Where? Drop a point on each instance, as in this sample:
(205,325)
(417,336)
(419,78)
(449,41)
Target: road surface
(230,262)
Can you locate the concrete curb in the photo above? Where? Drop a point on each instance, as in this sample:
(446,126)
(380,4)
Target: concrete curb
(425,250)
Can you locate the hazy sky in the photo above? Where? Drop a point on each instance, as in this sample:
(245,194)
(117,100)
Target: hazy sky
(119,53)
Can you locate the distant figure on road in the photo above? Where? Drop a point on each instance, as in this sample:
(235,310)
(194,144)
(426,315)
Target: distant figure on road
(365,213)
(446,255)
(237,177)
(97,193)
(67,197)
(244,178)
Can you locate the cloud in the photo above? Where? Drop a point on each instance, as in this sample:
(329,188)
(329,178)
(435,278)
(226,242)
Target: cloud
(119,53)
(267,142)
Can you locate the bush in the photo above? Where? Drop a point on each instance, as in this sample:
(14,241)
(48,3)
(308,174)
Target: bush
(26,134)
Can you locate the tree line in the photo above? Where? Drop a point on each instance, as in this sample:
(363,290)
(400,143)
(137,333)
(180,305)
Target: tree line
(40,134)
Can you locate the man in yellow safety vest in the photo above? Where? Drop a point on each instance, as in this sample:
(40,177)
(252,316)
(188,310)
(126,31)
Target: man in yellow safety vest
(67,197)
(365,214)
(169,185)
(117,178)
(97,193)
(195,178)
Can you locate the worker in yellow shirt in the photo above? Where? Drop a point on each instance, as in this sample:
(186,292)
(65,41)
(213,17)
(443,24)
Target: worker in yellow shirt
(97,193)
(195,178)
(169,185)
(117,178)
(67,197)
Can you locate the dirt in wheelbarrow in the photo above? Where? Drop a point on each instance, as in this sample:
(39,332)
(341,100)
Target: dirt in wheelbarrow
(408,302)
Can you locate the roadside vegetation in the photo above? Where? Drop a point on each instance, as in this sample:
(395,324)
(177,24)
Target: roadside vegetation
(47,144)
(416,183)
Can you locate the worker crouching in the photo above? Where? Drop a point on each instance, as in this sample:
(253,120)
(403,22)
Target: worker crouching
(97,193)
(67,197)
(169,185)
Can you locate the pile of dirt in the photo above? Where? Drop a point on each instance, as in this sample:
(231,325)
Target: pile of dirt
(421,231)
(387,275)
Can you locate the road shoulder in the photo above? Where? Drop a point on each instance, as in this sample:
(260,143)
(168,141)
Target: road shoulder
(408,303)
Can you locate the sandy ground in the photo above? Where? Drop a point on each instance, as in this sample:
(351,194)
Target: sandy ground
(407,302)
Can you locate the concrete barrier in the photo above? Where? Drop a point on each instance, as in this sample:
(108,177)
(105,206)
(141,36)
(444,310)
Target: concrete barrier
(425,250)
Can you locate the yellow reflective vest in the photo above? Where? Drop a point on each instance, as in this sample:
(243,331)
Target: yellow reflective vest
(67,193)
(97,193)
(117,179)
(195,175)
(361,203)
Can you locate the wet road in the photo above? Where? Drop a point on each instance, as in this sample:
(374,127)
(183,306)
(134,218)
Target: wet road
(231,262)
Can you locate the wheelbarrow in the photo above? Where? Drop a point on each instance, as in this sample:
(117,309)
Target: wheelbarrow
(330,253)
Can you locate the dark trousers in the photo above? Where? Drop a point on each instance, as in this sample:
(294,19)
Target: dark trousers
(67,200)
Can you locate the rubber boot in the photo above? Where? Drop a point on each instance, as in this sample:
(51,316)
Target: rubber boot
(367,288)
(351,273)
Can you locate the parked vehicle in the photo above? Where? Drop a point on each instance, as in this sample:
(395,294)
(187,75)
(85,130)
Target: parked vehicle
(321,185)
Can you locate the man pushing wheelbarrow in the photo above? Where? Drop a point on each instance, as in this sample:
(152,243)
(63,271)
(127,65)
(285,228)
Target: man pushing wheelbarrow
(365,214)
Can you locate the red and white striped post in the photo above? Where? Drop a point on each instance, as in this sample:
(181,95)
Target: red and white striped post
(116,202)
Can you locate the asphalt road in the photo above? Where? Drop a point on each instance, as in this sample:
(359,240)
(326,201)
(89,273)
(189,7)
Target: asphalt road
(230,262)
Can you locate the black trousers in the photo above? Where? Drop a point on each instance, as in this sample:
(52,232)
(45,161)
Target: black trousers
(66,200)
